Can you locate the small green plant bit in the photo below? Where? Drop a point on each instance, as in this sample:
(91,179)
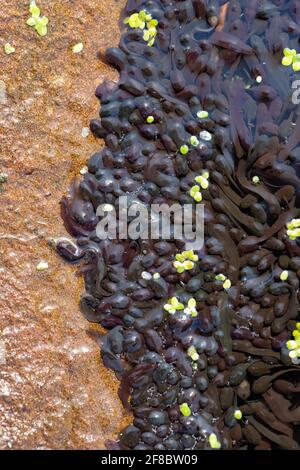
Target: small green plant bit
(185,409)
(195,193)
(213,441)
(191,308)
(203,180)
(293,229)
(201,114)
(146,23)
(226,282)
(255,179)
(78,48)
(150,119)
(184,149)
(185,261)
(293,345)
(8,48)
(173,305)
(194,141)
(3,179)
(290,57)
(284,275)
(42,266)
(238,414)
(192,353)
(36,21)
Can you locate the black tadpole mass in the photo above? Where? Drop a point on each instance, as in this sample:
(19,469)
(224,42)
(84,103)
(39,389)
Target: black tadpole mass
(224,58)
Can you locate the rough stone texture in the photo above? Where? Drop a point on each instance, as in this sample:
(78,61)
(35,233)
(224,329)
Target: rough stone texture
(54,391)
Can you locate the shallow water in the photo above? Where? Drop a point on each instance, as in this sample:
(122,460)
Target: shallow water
(54,391)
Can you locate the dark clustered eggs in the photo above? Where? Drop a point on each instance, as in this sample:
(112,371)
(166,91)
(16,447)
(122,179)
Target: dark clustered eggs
(206,344)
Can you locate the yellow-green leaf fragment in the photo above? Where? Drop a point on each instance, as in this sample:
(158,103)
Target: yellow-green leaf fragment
(85,132)
(191,308)
(134,20)
(202,181)
(296,66)
(31,21)
(142,15)
(194,141)
(227,284)
(202,114)
(35,11)
(286,61)
(152,32)
(213,441)
(8,48)
(150,119)
(184,149)
(291,344)
(284,275)
(198,197)
(41,29)
(238,414)
(146,35)
(152,24)
(44,20)
(289,52)
(188,265)
(78,48)
(192,353)
(185,409)
(196,193)
(40,24)
(42,266)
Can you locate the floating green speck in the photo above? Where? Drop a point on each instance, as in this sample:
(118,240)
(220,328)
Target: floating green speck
(150,119)
(185,409)
(78,48)
(41,29)
(290,57)
(141,20)
(36,21)
(85,132)
(213,441)
(238,414)
(42,266)
(31,21)
(34,9)
(184,149)
(202,114)
(194,141)
(8,48)
(284,275)
(227,284)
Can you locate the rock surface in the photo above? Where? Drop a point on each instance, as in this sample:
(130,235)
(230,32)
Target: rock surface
(54,391)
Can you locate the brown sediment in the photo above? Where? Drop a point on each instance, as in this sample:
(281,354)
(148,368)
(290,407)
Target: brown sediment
(55,392)
(240,335)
